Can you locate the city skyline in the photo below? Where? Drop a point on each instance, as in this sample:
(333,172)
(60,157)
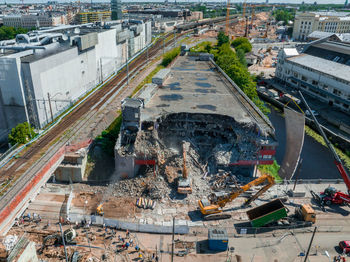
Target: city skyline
(160,1)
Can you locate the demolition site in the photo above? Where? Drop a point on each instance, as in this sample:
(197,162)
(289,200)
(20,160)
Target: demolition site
(185,164)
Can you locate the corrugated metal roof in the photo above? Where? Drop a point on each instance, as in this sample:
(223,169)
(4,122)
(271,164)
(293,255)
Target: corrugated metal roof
(322,65)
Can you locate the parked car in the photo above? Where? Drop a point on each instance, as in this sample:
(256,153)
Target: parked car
(309,114)
(345,246)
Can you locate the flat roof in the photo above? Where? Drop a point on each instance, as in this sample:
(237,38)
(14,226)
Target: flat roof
(197,87)
(323,65)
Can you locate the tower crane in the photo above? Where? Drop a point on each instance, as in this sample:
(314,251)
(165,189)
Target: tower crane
(227,17)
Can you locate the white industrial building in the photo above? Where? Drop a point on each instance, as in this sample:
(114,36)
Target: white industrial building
(45,72)
(322,70)
(307,22)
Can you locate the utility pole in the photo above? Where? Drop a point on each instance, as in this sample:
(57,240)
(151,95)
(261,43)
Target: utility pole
(48,97)
(312,239)
(174,38)
(64,244)
(297,175)
(127,68)
(163,44)
(147,54)
(101,70)
(172,241)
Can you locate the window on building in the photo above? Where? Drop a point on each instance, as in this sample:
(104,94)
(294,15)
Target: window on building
(295,75)
(346,106)
(337,92)
(303,78)
(314,82)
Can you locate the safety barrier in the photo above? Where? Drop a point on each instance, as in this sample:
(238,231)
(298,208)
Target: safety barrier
(20,198)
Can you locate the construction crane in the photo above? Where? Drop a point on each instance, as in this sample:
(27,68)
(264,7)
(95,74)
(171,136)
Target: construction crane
(252,17)
(244,8)
(330,195)
(212,207)
(227,17)
(184,183)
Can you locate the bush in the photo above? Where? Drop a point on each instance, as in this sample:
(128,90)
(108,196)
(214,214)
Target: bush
(170,56)
(242,43)
(108,137)
(241,57)
(271,170)
(21,134)
(222,38)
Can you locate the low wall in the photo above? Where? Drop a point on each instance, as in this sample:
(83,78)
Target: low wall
(18,204)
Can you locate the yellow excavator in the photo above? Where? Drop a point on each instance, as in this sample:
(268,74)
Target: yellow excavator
(99,210)
(184,182)
(212,207)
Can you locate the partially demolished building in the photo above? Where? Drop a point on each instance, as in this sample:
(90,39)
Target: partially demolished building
(197,104)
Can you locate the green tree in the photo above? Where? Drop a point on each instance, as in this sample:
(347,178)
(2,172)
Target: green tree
(208,48)
(242,43)
(229,61)
(241,56)
(222,38)
(21,134)
(7,32)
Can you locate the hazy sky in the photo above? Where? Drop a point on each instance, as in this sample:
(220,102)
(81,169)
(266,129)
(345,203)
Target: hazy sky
(232,1)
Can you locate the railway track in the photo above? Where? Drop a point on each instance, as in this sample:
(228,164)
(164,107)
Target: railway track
(74,119)
(17,168)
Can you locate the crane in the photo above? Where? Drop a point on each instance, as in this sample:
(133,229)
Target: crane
(227,17)
(211,207)
(330,194)
(244,8)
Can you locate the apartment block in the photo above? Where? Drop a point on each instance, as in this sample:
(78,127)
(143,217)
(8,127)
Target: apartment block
(333,22)
(91,17)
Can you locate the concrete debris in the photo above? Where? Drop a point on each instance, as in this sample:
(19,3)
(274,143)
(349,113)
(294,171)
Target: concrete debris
(10,241)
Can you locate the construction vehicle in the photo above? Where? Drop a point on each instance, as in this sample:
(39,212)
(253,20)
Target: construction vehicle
(330,195)
(99,210)
(306,213)
(184,182)
(56,239)
(267,213)
(212,207)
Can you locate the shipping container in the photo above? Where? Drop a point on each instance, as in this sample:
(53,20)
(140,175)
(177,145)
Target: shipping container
(267,213)
(218,239)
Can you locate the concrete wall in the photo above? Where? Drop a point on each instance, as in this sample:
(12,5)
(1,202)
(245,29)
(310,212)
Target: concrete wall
(65,76)
(29,254)
(12,103)
(67,172)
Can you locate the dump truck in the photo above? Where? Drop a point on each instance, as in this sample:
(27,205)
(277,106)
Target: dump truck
(267,213)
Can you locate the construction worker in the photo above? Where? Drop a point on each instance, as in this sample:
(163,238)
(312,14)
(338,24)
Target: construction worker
(127,244)
(131,242)
(127,233)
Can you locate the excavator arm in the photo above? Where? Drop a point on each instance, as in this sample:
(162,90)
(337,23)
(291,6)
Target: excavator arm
(236,193)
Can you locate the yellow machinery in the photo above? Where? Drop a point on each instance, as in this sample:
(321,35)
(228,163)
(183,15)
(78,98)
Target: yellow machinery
(99,210)
(306,213)
(184,183)
(211,207)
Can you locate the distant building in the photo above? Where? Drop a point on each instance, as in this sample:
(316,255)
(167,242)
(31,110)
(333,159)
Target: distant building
(321,70)
(91,17)
(345,38)
(34,21)
(332,22)
(116,8)
(195,15)
(44,73)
